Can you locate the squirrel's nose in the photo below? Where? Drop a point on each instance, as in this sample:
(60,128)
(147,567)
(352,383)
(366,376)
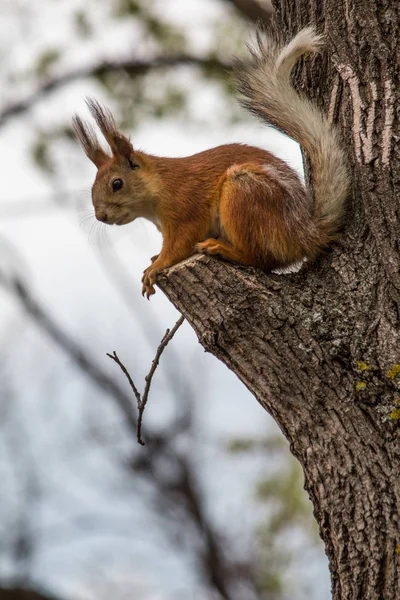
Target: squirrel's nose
(101,216)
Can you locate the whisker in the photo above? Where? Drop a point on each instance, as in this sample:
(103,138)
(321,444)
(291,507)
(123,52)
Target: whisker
(98,233)
(99,230)
(86,219)
(95,236)
(84,193)
(101,237)
(106,237)
(92,229)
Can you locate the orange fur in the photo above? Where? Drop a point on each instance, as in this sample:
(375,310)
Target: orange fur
(236,201)
(224,195)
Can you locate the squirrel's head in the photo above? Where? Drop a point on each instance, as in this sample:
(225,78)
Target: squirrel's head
(119,193)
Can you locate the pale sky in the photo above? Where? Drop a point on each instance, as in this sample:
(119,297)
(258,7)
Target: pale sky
(50,248)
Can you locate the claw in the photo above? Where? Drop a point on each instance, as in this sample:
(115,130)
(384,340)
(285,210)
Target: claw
(148,290)
(148,280)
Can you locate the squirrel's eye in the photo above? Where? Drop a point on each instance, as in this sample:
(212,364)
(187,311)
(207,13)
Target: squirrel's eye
(117,185)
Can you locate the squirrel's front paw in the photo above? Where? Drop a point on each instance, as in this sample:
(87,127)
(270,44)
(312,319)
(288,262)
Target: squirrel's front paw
(148,280)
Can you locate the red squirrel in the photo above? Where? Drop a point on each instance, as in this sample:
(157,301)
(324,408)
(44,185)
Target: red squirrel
(235,201)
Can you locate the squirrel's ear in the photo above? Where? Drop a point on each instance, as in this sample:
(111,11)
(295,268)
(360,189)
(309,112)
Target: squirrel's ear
(123,150)
(120,146)
(89,142)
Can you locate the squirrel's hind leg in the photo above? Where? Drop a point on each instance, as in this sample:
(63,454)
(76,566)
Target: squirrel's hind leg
(252,219)
(222,249)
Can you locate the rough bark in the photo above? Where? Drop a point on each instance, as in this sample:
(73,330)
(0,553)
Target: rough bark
(320,349)
(253,10)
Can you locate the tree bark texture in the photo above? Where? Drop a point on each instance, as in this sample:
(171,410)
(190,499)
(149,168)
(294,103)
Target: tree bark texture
(320,349)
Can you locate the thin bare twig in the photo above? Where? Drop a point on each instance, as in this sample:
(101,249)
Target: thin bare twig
(142,399)
(114,357)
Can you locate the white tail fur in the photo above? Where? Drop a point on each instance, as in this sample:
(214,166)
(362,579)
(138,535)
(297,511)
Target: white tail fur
(267,91)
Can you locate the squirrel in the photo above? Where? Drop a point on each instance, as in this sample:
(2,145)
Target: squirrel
(235,201)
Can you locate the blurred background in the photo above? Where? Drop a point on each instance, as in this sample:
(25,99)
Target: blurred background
(212,507)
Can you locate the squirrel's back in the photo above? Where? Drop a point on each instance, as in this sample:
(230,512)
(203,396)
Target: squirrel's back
(202,171)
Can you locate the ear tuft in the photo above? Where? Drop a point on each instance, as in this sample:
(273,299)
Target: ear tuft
(89,142)
(119,144)
(102,116)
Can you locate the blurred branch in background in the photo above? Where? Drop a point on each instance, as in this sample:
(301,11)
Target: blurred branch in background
(176,488)
(21,539)
(250,9)
(133,68)
(17,593)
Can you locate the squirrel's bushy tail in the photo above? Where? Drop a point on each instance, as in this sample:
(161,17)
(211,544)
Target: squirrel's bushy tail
(267,91)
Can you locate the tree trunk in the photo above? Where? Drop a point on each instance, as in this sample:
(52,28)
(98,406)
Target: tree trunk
(320,349)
